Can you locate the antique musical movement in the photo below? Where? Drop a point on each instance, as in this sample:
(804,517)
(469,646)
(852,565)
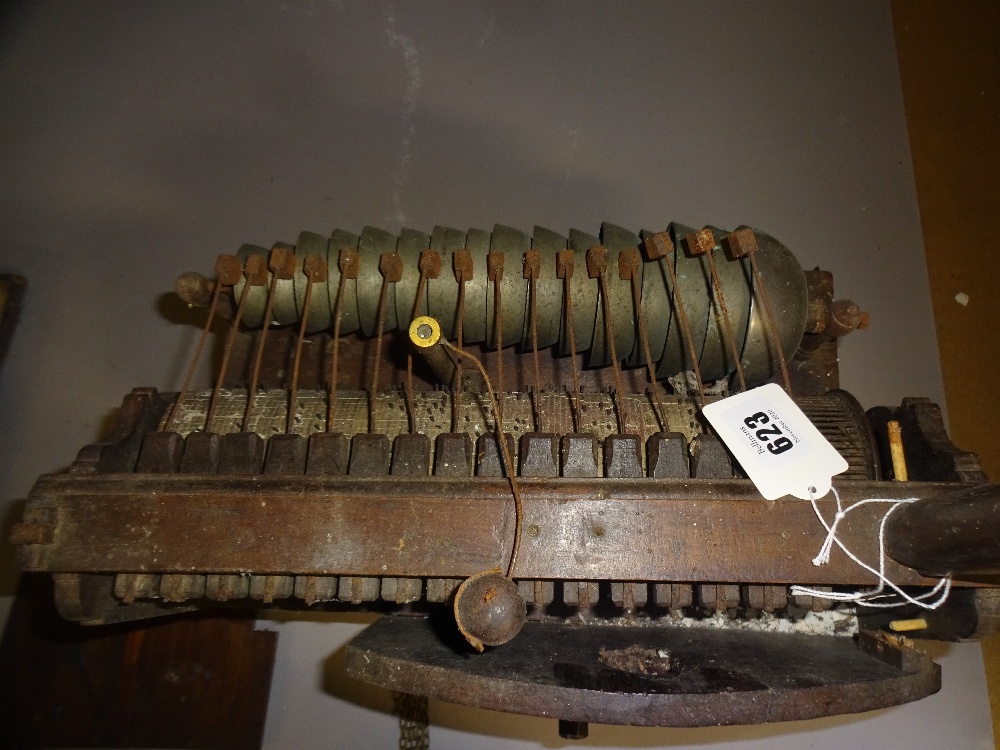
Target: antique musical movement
(496,439)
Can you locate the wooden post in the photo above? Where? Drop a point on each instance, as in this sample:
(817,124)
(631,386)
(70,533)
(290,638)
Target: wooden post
(956,533)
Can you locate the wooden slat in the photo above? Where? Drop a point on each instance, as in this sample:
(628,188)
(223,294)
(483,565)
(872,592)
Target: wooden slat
(653,530)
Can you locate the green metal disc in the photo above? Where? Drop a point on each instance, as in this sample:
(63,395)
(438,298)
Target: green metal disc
(513,289)
(311,243)
(694,280)
(656,309)
(786,290)
(373,243)
(285,311)
(477,291)
(584,294)
(411,244)
(442,292)
(615,239)
(349,320)
(253,307)
(548,290)
(735,278)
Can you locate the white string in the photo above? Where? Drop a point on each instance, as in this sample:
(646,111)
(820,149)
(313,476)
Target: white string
(868,598)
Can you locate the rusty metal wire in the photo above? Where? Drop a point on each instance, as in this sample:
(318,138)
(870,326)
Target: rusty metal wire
(378,353)
(609,333)
(685,322)
(498,327)
(771,321)
(293,391)
(727,322)
(226,354)
(259,354)
(654,384)
(421,285)
(533,310)
(456,390)
(566,269)
(703,243)
(338,310)
(185,388)
(504,450)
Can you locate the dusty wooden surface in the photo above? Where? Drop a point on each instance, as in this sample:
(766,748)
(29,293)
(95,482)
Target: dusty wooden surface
(641,529)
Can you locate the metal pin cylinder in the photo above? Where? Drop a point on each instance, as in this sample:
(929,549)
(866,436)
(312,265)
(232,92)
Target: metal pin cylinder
(425,336)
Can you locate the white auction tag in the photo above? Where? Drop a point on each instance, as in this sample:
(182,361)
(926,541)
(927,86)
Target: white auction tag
(778,447)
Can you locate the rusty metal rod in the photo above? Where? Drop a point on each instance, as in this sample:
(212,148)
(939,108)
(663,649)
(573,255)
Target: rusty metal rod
(338,312)
(495,269)
(609,335)
(421,285)
(746,242)
(391,268)
(456,390)
(703,243)
(315,272)
(654,384)
(531,265)
(564,269)
(335,359)
(679,307)
(378,354)
(280,260)
(230,340)
(199,349)
(727,321)
(259,354)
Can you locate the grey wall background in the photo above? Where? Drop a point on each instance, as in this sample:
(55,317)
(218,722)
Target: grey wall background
(141,140)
